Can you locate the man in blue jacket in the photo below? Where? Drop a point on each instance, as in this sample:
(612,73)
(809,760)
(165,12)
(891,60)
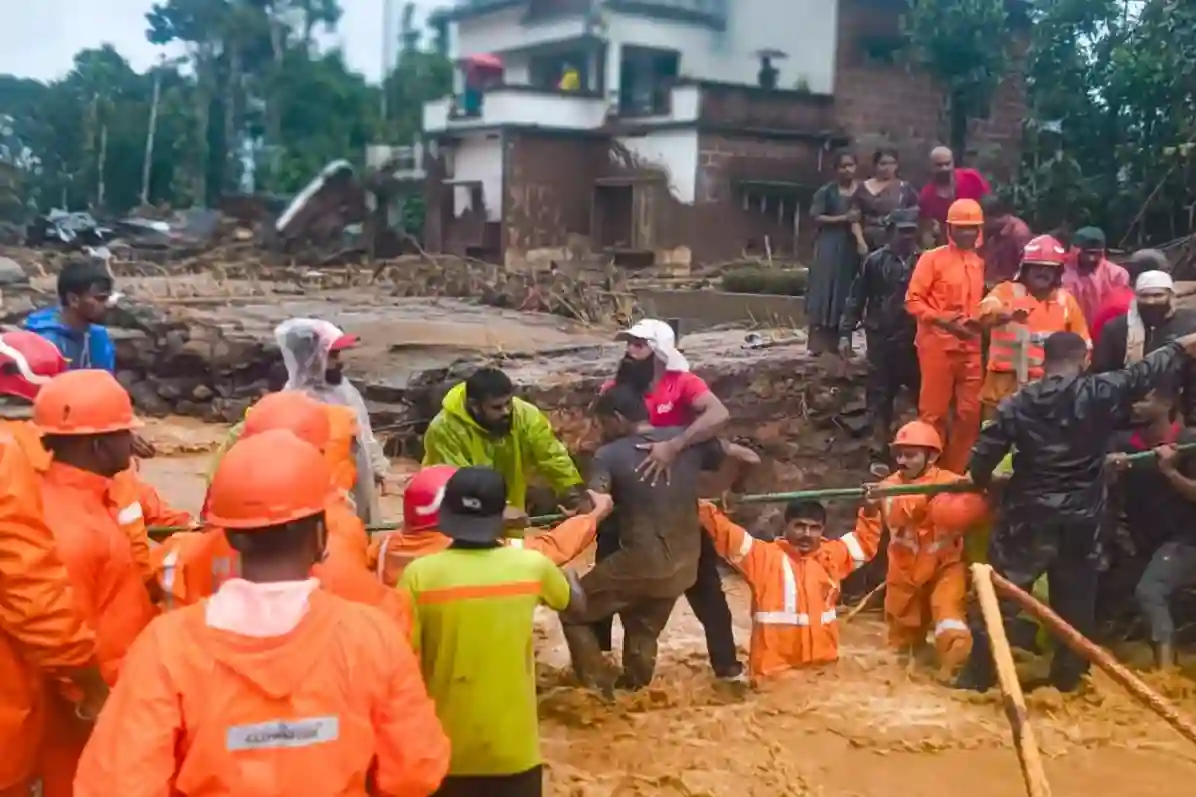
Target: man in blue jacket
(75,325)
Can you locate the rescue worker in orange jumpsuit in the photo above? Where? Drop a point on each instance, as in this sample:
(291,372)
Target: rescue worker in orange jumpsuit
(196,563)
(87,422)
(1022,314)
(47,649)
(944,294)
(926,586)
(30,362)
(272,685)
(794,582)
(392,552)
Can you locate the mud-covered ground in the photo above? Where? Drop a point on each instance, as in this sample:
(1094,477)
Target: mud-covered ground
(869,727)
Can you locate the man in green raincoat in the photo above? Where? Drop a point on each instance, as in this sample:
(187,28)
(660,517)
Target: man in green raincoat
(482,423)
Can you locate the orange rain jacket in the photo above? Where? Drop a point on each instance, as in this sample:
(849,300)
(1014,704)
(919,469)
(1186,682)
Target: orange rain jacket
(926,586)
(391,553)
(42,634)
(947,285)
(139,504)
(193,565)
(337,706)
(794,595)
(82,514)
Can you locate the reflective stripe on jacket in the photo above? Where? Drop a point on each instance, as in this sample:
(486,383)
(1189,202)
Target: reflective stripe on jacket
(1017,347)
(794,595)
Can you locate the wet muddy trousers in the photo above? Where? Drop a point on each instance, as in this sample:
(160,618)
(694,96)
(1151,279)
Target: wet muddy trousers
(951,376)
(1172,567)
(1069,555)
(891,366)
(938,606)
(706,598)
(642,624)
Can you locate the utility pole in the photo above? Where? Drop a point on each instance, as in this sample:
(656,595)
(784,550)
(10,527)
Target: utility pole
(148,165)
(388,47)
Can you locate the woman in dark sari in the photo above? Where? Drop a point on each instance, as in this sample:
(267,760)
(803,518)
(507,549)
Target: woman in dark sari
(881,194)
(837,252)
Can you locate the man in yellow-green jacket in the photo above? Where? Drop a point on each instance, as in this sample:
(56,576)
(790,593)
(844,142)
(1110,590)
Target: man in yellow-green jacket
(482,423)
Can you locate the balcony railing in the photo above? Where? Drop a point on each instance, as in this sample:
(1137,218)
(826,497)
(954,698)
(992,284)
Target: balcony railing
(710,12)
(522,106)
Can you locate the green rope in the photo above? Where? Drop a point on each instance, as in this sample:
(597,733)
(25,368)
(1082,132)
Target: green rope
(830,494)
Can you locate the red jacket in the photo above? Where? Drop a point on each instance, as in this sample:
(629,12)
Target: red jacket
(1116,304)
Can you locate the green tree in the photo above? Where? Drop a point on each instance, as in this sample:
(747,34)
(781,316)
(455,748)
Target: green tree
(965,45)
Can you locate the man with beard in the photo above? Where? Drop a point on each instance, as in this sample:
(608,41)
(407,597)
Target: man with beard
(482,423)
(1153,321)
(1117,302)
(311,350)
(653,368)
(948,184)
(1089,275)
(878,297)
(659,538)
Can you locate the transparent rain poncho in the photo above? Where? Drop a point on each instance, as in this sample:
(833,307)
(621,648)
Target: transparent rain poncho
(305,344)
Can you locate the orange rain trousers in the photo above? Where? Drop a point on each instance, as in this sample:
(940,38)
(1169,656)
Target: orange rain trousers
(391,553)
(794,595)
(926,585)
(43,636)
(948,285)
(200,712)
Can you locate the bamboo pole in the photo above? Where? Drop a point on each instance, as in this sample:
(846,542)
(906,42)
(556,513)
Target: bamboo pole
(1024,741)
(1099,656)
(859,607)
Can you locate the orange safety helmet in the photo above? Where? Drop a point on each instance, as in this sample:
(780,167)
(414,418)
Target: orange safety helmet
(965,213)
(957,511)
(27,363)
(1044,250)
(421,499)
(267,480)
(293,411)
(84,402)
(920,434)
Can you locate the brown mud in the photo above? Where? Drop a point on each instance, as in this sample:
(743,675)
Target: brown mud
(871,726)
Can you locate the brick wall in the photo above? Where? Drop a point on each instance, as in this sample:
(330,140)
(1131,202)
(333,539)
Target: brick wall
(722,227)
(549,188)
(888,103)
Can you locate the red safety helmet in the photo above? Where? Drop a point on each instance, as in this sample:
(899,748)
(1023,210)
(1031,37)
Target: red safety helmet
(1044,250)
(27,363)
(421,499)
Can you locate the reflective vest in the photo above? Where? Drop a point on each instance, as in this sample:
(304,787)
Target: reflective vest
(1017,348)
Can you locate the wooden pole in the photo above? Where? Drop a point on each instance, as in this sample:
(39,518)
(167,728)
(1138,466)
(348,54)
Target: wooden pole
(1098,656)
(859,607)
(1024,741)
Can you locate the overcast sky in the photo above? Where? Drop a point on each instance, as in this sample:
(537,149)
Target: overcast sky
(38,38)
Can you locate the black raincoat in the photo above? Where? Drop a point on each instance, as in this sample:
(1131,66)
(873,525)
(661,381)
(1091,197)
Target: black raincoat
(1060,429)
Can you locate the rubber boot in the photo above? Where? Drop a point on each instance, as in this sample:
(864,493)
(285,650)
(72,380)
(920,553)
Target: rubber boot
(1164,655)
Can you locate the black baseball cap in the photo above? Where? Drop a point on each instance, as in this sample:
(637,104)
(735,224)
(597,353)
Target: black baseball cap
(472,509)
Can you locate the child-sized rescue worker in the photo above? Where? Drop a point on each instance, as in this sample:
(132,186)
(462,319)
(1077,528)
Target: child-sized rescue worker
(272,685)
(195,564)
(391,553)
(794,582)
(926,586)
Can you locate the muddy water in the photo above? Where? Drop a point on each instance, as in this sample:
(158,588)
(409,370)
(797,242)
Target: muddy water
(869,727)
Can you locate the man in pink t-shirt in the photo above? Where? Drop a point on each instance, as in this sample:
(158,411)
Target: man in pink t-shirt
(653,366)
(947,184)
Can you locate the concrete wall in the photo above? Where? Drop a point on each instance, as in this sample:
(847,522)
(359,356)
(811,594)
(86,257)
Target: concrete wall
(702,309)
(805,29)
(673,151)
(477,157)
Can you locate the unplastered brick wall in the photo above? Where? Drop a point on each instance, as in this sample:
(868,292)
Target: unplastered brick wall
(876,101)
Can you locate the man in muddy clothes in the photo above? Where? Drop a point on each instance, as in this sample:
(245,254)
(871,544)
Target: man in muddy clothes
(1059,429)
(660,541)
